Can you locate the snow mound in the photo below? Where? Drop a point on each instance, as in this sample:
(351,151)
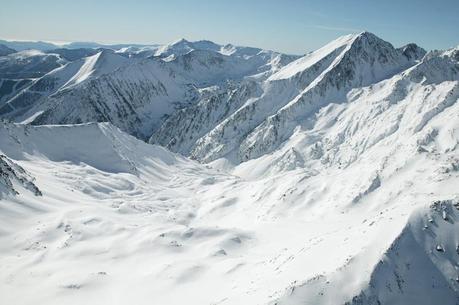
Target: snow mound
(99,145)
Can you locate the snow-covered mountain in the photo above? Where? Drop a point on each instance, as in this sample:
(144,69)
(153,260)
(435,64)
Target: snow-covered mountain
(13,175)
(45,46)
(324,179)
(28,45)
(269,115)
(135,93)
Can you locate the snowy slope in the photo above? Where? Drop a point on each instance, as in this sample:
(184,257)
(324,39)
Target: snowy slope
(330,179)
(122,221)
(19,69)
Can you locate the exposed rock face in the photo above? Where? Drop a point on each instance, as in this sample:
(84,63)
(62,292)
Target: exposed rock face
(413,52)
(13,176)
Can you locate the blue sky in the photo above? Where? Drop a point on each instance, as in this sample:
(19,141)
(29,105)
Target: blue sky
(291,26)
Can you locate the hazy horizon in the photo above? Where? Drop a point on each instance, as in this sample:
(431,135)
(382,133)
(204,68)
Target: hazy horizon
(290,26)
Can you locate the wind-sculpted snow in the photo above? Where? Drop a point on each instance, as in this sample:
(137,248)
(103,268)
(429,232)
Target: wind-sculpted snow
(119,218)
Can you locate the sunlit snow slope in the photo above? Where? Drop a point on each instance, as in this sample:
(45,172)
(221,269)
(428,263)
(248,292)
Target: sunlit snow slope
(120,221)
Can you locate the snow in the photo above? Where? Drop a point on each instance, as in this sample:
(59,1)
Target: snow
(124,221)
(85,70)
(314,57)
(263,121)
(96,65)
(330,181)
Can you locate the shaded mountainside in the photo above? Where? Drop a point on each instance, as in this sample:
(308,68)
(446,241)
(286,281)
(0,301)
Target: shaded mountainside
(135,93)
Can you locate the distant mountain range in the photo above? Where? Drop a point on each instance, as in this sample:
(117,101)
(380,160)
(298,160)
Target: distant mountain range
(134,88)
(47,46)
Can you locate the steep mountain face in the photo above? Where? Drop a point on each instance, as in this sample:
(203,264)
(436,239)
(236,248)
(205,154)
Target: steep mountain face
(413,51)
(13,176)
(133,92)
(294,94)
(402,104)
(197,120)
(28,64)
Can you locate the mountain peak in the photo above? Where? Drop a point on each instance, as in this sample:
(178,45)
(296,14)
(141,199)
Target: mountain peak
(180,41)
(412,51)
(369,37)
(366,34)
(178,47)
(356,43)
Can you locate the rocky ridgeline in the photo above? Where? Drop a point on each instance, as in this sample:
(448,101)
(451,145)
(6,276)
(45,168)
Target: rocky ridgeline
(13,177)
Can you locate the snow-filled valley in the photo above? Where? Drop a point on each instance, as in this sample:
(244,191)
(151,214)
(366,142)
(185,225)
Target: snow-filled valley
(195,173)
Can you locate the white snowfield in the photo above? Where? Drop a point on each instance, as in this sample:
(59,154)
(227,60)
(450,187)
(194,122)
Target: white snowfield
(334,180)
